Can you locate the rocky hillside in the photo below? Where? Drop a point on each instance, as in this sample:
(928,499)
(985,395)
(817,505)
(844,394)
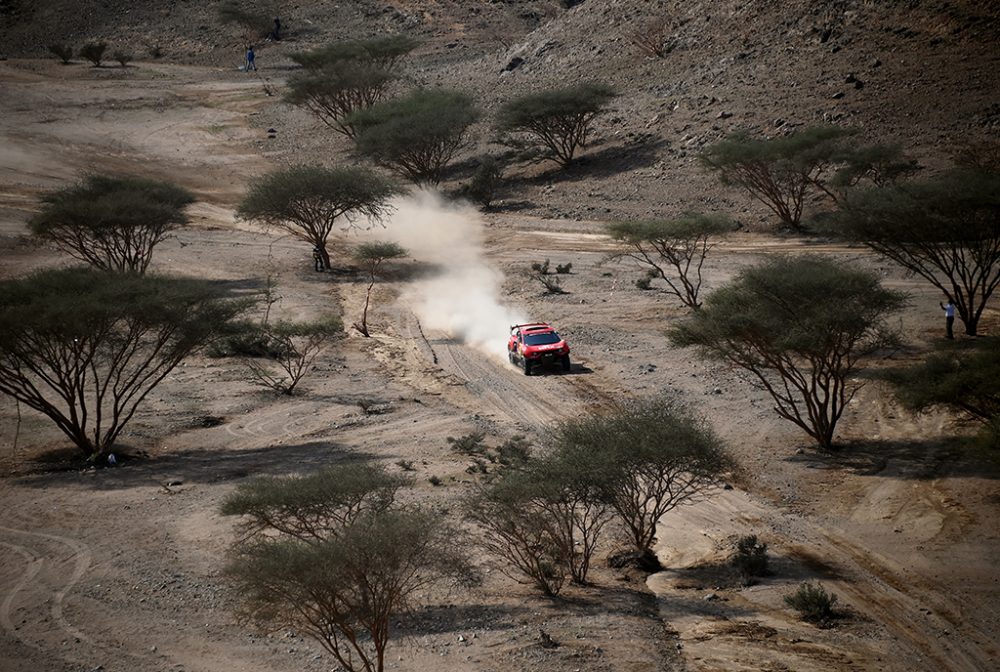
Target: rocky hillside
(923,73)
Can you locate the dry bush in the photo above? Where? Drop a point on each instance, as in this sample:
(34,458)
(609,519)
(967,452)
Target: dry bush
(652,38)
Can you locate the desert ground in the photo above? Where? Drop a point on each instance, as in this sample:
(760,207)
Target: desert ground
(119,569)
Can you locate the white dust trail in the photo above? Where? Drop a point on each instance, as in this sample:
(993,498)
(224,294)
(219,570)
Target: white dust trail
(462,296)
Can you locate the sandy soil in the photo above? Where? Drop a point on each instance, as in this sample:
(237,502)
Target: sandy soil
(119,569)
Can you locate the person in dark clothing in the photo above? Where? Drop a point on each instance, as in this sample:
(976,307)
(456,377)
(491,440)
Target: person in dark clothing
(317,259)
(949,317)
(251,59)
(276,33)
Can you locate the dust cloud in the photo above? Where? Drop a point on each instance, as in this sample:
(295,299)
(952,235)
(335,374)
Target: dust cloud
(462,295)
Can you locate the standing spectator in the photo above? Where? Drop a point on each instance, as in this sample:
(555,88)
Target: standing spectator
(317,259)
(276,33)
(949,316)
(251,62)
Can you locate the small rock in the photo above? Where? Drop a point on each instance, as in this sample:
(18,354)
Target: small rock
(461,638)
(724,115)
(514,64)
(546,640)
(838,95)
(711,597)
(799,451)
(875,63)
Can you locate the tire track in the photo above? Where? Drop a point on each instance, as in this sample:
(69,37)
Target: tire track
(81,556)
(903,607)
(31,570)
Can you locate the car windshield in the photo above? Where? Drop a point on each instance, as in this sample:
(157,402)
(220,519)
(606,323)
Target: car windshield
(541,339)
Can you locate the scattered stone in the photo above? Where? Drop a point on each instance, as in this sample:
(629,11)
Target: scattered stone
(799,451)
(724,115)
(513,64)
(875,63)
(838,95)
(546,640)
(711,597)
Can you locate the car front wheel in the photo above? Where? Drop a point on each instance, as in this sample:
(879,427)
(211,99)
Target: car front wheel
(527,367)
(566,366)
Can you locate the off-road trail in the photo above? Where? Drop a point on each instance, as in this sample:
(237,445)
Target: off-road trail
(121,569)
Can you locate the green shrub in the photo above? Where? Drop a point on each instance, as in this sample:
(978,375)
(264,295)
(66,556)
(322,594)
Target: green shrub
(94,52)
(813,603)
(564,269)
(485,181)
(249,341)
(470,444)
(644,282)
(514,451)
(62,51)
(122,57)
(751,557)
(540,268)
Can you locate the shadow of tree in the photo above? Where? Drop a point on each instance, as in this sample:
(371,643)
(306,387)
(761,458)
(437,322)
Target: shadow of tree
(190,466)
(911,460)
(461,618)
(602,163)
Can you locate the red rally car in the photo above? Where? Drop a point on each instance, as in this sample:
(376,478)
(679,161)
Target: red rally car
(536,343)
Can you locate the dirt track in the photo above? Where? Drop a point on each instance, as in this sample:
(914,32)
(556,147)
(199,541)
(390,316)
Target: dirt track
(120,568)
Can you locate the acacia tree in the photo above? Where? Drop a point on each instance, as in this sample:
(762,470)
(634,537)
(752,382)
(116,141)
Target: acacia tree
(309,201)
(294,346)
(800,326)
(569,490)
(518,529)
(643,460)
(344,591)
(313,507)
(945,229)
(345,77)
(372,256)
(111,222)
(780,172)
(94,52)
(559,119)
(673,250)
(331,556)
(85,347)
(417,135)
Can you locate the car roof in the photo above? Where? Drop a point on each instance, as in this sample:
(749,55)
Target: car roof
(532,326)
